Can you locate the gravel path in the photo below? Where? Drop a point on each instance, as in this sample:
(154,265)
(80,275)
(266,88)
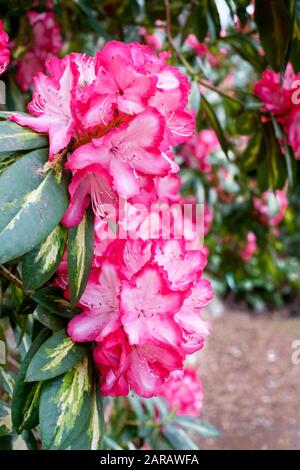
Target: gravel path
(252,388)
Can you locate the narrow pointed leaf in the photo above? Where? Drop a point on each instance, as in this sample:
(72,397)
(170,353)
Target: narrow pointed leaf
(178,438)
(195,425)
(39,265)
(80,254)
(6,381)
(24,402)
(91,438)
(48,319)
(51,298)
(274,22)
(214,122)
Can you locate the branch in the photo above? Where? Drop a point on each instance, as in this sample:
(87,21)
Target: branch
(188,67)
(11,277)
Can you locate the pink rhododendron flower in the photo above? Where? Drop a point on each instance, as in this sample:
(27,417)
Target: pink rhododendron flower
(197,150)
(291,125)
(277,99)
(184,393)
(93,184)
(201,49)
(250,248)
(123,123)
(47,41)
(51,103)
(4,51)
(151,39)
(142,368)
(271,207)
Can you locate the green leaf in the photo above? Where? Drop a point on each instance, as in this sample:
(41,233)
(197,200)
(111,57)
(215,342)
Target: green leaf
(65,407)
(272,171)
(90,18)
(6,381)
(24,441)
(51,298)
(25,395)
(195,425)
(274,22)
(110,444)
(214,122)
(249,159)
(39,265)
(14,137)
(248,122)
(48,319)
(213,20)
(247,49)
(31,204)
(196,21)
(178,438)
(7,155)
(57,355)
(80,255)
(91,438)
(5,443)
(297,12)
(289,157)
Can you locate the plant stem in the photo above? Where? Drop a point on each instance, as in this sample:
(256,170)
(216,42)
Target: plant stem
(11,277)
(188,67)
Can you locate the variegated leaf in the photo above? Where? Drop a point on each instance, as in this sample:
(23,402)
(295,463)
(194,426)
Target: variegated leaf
(14,137)
(32,203)
(51,298)
(41,263)
(5,419)
(91,438)
(80,254)
(48,319)
(26,395)
(14,441)
(57,355)
(6,381)
(65,406)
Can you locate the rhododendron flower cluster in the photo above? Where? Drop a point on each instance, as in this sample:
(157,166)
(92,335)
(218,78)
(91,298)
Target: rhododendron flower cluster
(183,392)
(4,51)
(197,150)
(118,128)
(250,247)
(141,307)
(283,102)
(115,130)
(47,42)
(271,207)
